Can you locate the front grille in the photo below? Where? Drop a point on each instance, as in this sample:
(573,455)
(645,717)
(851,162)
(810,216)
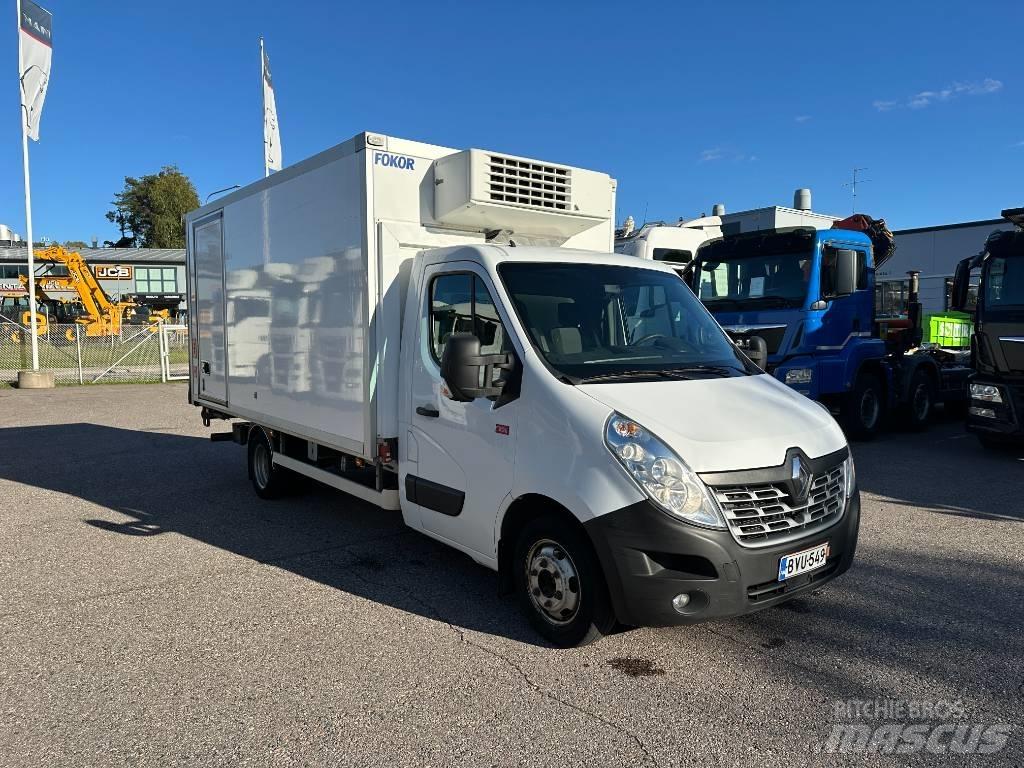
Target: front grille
(527,183)
(763,515)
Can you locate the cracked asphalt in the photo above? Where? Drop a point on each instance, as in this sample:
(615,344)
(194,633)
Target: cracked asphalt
(153,611)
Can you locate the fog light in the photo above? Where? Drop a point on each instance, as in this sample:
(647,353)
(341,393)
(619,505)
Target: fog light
(680,601)
(985,413)
(799,375)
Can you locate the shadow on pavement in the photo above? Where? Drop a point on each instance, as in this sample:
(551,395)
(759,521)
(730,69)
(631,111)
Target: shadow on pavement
(945,470)
(164,483)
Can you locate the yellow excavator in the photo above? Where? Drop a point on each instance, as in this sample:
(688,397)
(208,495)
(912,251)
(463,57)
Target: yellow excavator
(94,310)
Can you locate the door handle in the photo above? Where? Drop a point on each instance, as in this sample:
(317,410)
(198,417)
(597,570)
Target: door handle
(205,365)
(426,410)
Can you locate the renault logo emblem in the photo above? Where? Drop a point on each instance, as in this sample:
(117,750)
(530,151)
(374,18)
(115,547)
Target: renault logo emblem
(800,480)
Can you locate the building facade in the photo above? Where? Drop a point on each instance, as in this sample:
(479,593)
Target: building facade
(151,276)
(934,252)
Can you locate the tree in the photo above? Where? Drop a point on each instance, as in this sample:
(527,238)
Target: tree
(74,245)
(148,211)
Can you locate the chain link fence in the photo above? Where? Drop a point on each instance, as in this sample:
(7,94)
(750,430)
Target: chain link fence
(139,354)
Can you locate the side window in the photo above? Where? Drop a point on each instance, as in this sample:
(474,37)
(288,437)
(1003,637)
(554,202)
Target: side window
(828,270)
(460,303)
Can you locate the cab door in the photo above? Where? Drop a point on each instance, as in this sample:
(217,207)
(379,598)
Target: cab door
(465,452)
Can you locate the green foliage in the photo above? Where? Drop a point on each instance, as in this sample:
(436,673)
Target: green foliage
(74,245)
(148,211)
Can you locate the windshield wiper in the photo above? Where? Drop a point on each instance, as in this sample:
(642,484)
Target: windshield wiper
(719,370)
(612,375)
(779,301)
(721,300)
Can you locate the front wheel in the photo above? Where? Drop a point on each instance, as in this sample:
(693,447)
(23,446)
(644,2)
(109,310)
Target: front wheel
(559,583)
(862,408)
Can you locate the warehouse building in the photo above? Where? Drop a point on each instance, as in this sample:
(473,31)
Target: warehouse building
(151,276)
(934,251)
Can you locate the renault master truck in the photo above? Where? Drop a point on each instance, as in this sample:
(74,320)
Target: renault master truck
(571,418)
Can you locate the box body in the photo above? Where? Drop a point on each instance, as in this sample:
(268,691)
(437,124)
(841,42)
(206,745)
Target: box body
(297,282)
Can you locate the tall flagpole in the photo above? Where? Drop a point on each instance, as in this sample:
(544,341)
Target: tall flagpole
(28,205)
(263,98)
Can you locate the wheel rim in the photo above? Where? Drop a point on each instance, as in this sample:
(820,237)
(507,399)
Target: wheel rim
(553,582)
(261,464)
(868,408)
(921,402)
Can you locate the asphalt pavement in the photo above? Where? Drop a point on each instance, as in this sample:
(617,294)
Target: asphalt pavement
(154,612)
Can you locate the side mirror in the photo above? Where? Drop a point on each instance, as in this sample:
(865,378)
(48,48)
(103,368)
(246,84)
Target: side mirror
(469,374)
(961,282)
(755,348)
(846,272)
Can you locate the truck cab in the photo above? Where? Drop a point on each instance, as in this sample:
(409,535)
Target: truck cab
(535,381)
(996,412)
(673,244)
(807,295)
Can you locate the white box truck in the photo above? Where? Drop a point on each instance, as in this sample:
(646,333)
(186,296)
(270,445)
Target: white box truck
(451,336)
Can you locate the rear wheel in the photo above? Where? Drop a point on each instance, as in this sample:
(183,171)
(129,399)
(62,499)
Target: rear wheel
(920,401)
(559,582)
(861,410)
(268,480)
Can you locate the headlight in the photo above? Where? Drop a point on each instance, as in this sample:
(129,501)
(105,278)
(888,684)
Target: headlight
(799,375)
(850,473)
(986,392)
(662,475)
(985,413)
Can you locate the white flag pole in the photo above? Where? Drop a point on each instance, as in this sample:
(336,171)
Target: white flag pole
(28,205)
(263,98)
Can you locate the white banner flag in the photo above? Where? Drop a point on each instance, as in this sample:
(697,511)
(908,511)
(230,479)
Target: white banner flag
(271,131)
(36,49)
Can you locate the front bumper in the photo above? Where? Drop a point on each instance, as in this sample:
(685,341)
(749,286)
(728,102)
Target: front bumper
(648,558)
(1007,420)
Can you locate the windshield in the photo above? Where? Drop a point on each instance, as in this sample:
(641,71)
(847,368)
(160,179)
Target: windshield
(593,323)
(1005,284)
(744,282)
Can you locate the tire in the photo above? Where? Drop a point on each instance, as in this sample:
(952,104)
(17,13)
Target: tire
(862,408)
(268,480)
(917,412)
(560,584)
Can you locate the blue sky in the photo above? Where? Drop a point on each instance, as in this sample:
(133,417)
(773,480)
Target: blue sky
(686,104)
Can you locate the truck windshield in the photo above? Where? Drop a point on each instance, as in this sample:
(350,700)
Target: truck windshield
(607,323)
(748,282)
(1005,284)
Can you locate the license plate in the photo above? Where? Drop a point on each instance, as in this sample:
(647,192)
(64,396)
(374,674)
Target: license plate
(803,562)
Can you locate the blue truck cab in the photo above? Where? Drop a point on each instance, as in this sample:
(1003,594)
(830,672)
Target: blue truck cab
(809,295)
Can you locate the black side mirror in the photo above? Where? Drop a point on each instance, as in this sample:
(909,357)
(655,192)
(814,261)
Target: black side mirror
(755,348)
(961,283)
(469,374)
(846,273)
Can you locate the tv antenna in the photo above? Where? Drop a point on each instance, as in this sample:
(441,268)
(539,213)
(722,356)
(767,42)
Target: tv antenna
(853,186)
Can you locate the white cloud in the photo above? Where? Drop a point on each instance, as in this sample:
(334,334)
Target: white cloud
(724,153)
(802,118)
(955,90)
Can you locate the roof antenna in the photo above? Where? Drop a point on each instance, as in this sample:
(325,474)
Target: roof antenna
(853,186)
(645,214)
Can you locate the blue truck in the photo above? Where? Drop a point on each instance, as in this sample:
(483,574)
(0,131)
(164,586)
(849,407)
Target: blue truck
(801,301)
